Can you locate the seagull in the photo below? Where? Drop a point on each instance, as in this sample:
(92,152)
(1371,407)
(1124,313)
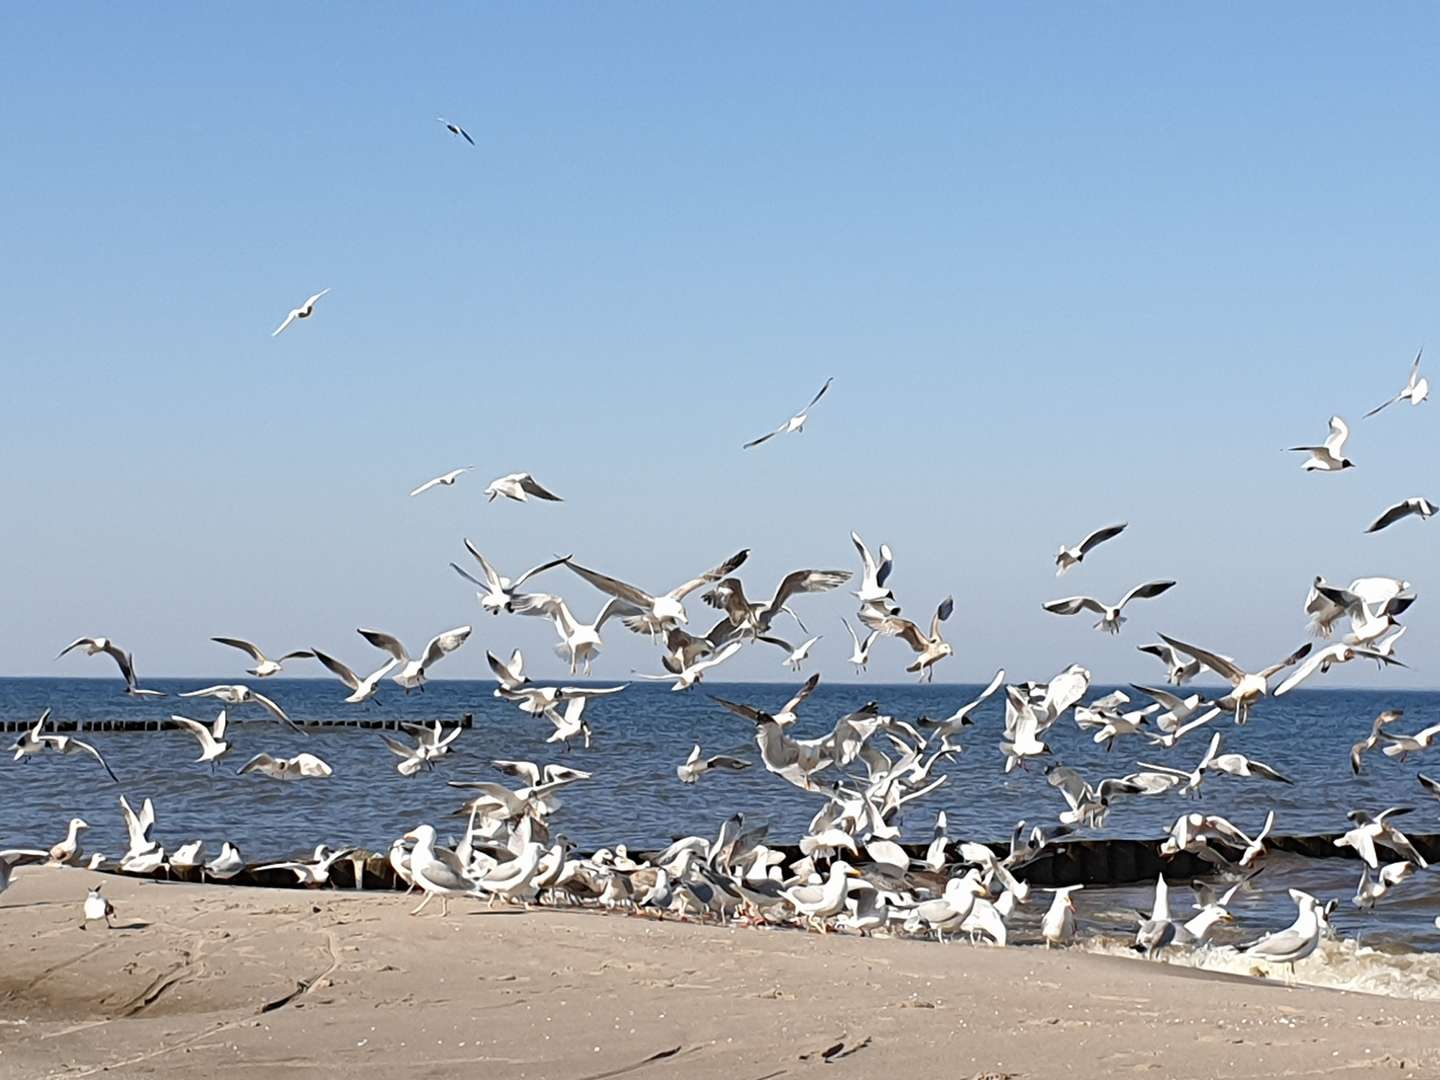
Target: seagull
(264,666)
(1329,456)
(240,694)
(1377,733)
(659,612)
(511,675)
(695,672)
(1417,389)
(412,672)
(1390,875)
(570,724)
(187,856)
(10,858)
(519,486)
(456,129)
(227,864)
(212,739)
(1110,618)
(695,766)
(536,699)
(437,871)
(1429,783)
(1362,838)
(31,743)
(500,592)
(300,767)
(1295,942)
(860,654)
(1328,657)
(68,851)
(1178,671)
(430,743)
(125,661)
(447,479)
(932,648)
(1239,765)
(1417,507)
(362,690)
(304,311)
(872,591)
(97,908)
(1402,746)
(799,653)
(137,828)
(1073,556)
(729,596)
(795,423)
(313,873)
(1246,688)
(1058,925)
(960,718)
(579,642)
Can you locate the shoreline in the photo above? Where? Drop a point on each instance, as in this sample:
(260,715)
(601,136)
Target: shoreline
(325,982)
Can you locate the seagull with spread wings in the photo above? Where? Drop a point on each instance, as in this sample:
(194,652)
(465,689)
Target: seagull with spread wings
(240,694)
(361,690)
(932,648)
(519,486)
(795,423)
(1110,618)
(1417,507)
(304,311)
(1069,557)
(500,592)
(264,666)
(1328,657)
(1246,688)
(1417,389)
(1178,670)
(444,480)
(125,661)
(755,616)
(695,766)
(873,592)
(579,642)
(658,613)
(1329,456)
(455,129)
(411,675)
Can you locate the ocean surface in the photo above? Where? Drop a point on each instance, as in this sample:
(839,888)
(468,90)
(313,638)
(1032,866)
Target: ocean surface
(635,798)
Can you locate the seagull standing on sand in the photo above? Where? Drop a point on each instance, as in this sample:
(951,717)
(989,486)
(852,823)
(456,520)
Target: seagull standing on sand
(68,852)
(932,647)
(412,672)
(1295,942)
(264,666)
(1110,618)
(447,480)
(304,311)
(795,423)
(1417,389)
(1069,557)
(240,694)
(1329,456)
(1417,507)
(519,486)
(97,908)
(227,864)
(437,871)
(1058,925)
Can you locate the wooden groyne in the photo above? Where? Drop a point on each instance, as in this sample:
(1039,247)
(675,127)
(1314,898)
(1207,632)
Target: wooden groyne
(162,723)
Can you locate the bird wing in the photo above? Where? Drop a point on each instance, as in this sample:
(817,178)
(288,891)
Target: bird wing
(441,645)
(894,626)
(1073,605)
(465,134)
(855,640)
(748,712)
(74,645)
(800,695)
(728,596)
(531,486)
(1147,591)
(199,730)
(1267,772)
(537,569)
(276,711)
(86,748)
(613,586)
(725,761)
(388,642)
(311,302)
(1390,516)
(725,652)
(399,749)
(1326,655)
(818,396)
(764,438)
(298,654)
(1294,658)
(525,770)
(806,581)
(1163,652)
(943,612)
(1218,664)
(348,677)
(1099,536)
(725,569)
(1171,701)
(867,561)
(492,576)
(288,320)
(244,646)
(1339,432)
(427,486)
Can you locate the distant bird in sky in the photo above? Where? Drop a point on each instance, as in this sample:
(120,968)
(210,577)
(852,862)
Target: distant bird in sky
(1068,557)
(304,311)
(448,480)
(1110,618)
(1417,389)
(1329,456)
(1417,507)
(873,591)
(519,486)
(456,129)
(264,666)
(1178,670)
(860,654)
(795,423)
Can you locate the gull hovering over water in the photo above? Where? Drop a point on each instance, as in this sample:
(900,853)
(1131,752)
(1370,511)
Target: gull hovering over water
(728,595)
(798,653)
(860,653)
(240,694)
(500,592)
(932,648)
(658,612)
(1377,734)
(519,486)
(1417,389)
(264,666)
(1328,657)
(1110,618)
(695,766)
(361,690)
(300,767)
(1246,688)
(212,739)
(1417,507)
(456,130)
(304,311)
(795,423)
(1178,670)
(1402,746)
(125,661)
(1369,830)
(412,672)
(579,642)
(33,741)
(1329,456)
(445,479)
(695,671)
(873,591)
(1069,557)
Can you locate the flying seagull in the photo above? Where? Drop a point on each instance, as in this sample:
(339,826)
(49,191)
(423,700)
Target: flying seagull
(1110,617)
(304,311)
(1246,687)
(519,486)
(1417,389)
(240,694)
(500,594)
(264,666)
(659,612)
(456,129)
(1329,456)
(1421,508)
(695,766)
(795,423)
(1074,556)
(448,480)
(932,647)
(412,671)
(125,661)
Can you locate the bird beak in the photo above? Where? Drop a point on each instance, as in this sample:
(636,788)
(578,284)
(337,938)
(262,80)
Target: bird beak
(410,836)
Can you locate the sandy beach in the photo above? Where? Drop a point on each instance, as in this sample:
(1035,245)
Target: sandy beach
(324,983)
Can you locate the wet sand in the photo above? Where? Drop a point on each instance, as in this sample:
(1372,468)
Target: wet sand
(315,984)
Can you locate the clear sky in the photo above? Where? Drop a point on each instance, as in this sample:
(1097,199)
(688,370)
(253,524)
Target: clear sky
(1067,264)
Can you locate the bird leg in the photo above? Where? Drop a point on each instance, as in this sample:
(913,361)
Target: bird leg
(422,904)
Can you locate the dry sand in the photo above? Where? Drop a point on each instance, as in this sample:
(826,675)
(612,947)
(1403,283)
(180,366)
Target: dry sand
(203,981)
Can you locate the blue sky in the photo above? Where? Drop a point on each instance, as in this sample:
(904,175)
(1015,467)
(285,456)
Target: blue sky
(1067,265)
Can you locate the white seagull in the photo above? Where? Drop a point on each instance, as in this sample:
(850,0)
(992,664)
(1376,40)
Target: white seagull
(264,666)
(125,661)
(1402,746)
(795,423)
(1178,670)
(1417,389)
(300,767)
(860,653)
(1417,507)
(32,742)
(1110,618)
(227,864)
(500,592)
(412,673)
(1246,688)
(304,311)
(1069,557)
(932,647)
(1295,942)
(579,642)
(695,766)
(1328,657)
(240,694)
(97,908)
(361,690)
(456,130)
(447,480)
(798,653)
(212,739)
(1329,456)
(873,591)
(659,612)
(519,486)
